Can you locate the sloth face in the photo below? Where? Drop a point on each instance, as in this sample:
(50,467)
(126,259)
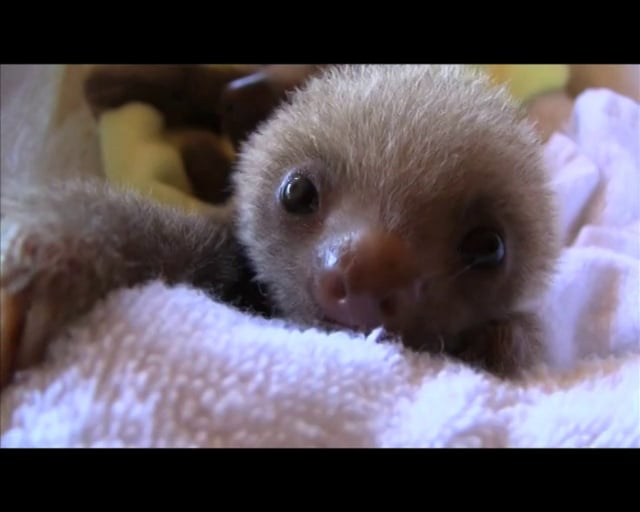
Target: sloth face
(412,198)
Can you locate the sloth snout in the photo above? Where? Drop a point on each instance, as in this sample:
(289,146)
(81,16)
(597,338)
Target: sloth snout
(367,279)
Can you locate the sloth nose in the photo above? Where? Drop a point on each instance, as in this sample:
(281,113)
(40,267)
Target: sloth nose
(367,280)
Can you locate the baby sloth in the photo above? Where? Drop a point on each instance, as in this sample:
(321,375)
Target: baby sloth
(412,198)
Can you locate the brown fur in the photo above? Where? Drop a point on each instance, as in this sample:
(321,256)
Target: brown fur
(424,152)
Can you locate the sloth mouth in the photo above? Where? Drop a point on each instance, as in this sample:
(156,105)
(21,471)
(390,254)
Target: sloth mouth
(364,310)
(378,333)
(417,339)
(334,324)
(359,314)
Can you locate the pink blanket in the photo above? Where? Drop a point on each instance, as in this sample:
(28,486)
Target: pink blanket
(159,366)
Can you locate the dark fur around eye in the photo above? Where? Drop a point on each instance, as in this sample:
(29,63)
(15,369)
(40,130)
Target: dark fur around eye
(298,195)
(482,248)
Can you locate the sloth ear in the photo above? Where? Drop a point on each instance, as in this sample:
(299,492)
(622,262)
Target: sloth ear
(504,347)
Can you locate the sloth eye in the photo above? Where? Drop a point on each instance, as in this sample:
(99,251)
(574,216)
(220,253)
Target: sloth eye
(298,195)
(482,248)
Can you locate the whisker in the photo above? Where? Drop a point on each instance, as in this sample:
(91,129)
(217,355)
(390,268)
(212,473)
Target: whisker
(445,276)
(462,271)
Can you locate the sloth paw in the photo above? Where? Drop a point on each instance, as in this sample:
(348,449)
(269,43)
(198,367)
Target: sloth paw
(32,305)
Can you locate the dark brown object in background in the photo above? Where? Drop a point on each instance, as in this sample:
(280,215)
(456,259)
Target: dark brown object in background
(207,162)
(187,95)
(248,101)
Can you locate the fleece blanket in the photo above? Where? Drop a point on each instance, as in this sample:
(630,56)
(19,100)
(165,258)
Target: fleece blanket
(167,367)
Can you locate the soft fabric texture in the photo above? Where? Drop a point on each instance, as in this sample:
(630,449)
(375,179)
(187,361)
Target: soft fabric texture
(156,366)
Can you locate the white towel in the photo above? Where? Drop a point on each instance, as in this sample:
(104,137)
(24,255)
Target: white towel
(158,366)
